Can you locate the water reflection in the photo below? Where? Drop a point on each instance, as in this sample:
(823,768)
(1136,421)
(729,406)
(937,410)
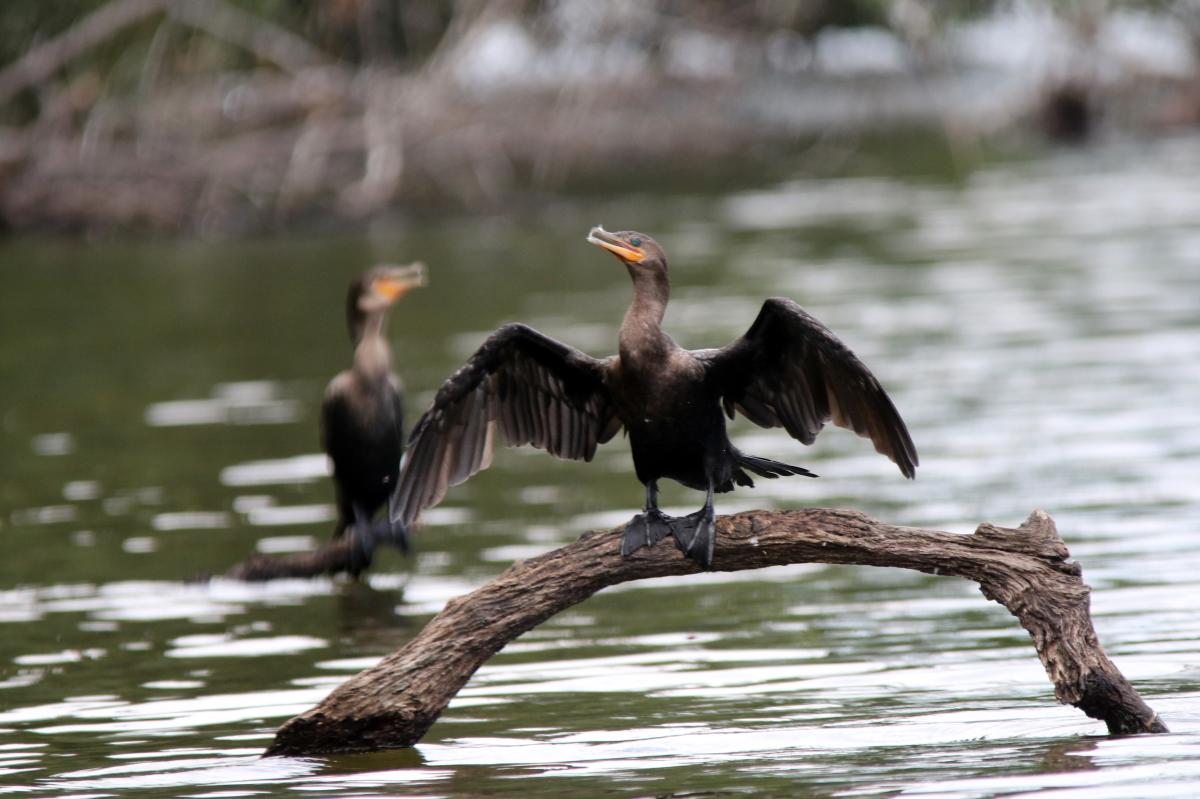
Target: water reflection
(254,402)
(1039,326)
(298,469)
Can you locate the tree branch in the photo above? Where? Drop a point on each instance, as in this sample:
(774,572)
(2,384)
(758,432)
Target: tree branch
(40,63)
(393,703)
(252,33)
(266,40)
(332,558)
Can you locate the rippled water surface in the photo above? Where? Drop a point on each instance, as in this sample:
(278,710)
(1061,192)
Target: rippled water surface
(1037,323)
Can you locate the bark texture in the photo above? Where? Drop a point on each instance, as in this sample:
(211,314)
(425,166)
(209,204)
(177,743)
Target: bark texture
(1026,569)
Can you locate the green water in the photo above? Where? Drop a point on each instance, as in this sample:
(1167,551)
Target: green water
(1037,323)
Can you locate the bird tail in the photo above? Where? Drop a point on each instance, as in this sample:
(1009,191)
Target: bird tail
(765,467)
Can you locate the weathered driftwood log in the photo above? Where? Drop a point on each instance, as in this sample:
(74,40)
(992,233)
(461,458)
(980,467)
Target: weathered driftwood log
(393,703)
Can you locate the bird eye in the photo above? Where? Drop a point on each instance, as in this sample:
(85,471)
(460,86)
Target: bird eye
(635,241)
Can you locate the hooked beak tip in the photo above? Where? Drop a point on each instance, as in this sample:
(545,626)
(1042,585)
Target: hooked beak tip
(596,234)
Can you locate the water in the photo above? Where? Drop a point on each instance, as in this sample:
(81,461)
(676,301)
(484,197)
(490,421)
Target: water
(1037,323)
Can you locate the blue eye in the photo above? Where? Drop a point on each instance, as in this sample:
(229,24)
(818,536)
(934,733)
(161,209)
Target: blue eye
(636,242)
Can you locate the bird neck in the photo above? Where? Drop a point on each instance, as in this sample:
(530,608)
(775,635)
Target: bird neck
(372,355)
(641,335)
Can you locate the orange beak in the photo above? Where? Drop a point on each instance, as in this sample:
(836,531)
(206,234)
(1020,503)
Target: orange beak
(623,250)
(400,280)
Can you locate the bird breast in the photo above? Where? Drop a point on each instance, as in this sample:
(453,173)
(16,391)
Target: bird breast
(652,391)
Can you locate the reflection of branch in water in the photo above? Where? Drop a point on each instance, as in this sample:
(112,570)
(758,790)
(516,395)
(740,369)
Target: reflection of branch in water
(369,615)
(1027,570)
(1058,757)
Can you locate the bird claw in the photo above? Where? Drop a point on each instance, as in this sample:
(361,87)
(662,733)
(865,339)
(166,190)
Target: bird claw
(645,530)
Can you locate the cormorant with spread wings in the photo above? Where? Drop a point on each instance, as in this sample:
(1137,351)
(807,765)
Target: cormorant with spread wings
(787,371)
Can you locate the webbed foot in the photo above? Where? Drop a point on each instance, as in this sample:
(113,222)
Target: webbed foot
(366,534)
(362,546)
(645,530)
(695,535)
(391,530)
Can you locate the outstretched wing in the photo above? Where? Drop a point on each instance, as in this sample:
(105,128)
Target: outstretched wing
(791,371)
(534,389)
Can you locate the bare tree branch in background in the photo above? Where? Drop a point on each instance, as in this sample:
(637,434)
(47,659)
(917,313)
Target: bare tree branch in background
(215,17)
(252,33)
(490,99)
(45,60)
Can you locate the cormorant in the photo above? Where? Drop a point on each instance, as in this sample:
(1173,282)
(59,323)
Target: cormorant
(362,415)
(787,371)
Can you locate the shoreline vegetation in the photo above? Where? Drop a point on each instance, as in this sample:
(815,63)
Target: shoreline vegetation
(213,117)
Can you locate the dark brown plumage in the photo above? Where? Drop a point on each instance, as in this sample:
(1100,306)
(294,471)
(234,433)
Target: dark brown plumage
(788,371)
(362,415)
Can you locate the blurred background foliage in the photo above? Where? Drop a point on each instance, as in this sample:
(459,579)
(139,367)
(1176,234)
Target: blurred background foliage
(361,31)
(235,115)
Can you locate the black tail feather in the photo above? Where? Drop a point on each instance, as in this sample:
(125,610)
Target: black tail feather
(765,467)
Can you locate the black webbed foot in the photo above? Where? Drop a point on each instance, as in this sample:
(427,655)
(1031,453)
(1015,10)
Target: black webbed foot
(695,535)
(362,546)
(645,530)
(393,534)
(392,531)
(367,534)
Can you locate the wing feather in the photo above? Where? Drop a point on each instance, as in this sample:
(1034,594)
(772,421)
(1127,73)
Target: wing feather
(533,389)
(790,371)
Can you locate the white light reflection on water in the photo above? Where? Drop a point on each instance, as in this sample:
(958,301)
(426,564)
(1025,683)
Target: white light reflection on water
(286,543)
(159,600)
(287,515)
(298,469)
(241,768)
(614,751)
(191,520)
(174,717)
(248,403)
(224,646)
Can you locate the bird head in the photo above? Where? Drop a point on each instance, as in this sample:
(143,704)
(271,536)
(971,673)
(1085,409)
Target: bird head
(637,251)
(378,289)
(381,286)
